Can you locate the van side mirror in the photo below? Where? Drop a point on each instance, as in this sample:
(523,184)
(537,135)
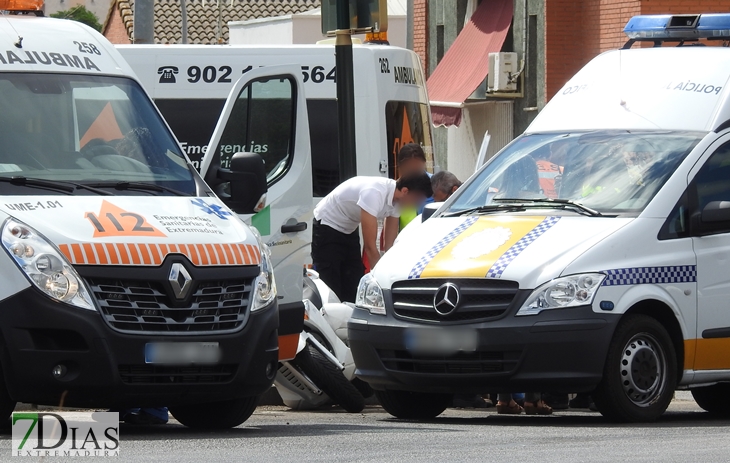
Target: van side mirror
(716,211)
(247,178)
(428,210)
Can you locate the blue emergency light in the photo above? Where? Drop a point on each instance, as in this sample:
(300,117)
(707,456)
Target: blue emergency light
(678,28)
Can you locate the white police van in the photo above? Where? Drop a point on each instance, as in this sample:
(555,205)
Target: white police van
(591,254)
(126,282)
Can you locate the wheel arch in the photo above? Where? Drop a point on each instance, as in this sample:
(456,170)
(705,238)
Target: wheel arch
(664,314)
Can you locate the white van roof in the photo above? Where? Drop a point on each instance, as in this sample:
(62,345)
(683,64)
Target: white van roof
(32,44)
(665,88)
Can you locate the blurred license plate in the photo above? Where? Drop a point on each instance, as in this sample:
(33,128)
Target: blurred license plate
(182,353)
(440,340)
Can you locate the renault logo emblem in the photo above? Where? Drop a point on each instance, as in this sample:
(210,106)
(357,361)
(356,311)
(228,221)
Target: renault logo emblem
(180,281)
(446,299)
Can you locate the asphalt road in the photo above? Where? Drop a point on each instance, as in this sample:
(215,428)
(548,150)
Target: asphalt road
(684,434)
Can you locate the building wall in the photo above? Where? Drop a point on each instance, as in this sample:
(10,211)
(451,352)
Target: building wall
(420,32)
(116,31)
(98,7)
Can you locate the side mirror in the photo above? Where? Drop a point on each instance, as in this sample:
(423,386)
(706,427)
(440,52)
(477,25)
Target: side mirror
(429,209)
(247,178)
(716,211)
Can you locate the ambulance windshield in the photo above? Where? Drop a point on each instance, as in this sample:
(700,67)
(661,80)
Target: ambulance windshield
(87,129)
(606,171)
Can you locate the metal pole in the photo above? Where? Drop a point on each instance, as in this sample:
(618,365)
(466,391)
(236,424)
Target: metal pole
(409,25)
(144,22)
(184,12)
(345,92)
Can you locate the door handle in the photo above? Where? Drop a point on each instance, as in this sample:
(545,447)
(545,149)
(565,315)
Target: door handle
(294,227)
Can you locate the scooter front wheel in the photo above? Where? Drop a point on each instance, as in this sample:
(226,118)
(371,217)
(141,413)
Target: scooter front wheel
(329,379)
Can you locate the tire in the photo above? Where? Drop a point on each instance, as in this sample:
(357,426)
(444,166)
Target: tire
(413,405)
(365,390)
(215,415)
(329,379)
(713,399)
(7,405)
(642,392)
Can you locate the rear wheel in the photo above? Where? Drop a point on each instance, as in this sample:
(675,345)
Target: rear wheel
(413,405)
(215,415)
(713,399)
(329,378)
(640,374)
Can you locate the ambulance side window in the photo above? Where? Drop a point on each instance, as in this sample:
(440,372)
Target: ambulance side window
(262,121)
(712,185)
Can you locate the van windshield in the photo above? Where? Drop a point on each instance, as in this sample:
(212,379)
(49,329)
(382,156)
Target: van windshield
(606,171)
(93,130)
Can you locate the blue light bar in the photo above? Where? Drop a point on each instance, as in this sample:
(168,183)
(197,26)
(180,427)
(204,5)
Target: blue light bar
(679,27)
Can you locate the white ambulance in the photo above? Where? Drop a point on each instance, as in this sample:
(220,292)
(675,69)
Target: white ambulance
(126,282)
(190,83)
(592,254)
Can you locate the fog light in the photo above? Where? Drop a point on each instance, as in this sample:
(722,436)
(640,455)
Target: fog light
(59,371)
(271,370)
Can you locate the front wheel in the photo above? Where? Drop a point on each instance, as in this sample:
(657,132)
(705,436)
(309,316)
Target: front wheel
(326,376)
(413,405)
(713,399)
(640,374)
(215,415)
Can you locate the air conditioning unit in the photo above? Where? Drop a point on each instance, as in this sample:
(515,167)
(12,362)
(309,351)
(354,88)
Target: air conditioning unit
(502,66)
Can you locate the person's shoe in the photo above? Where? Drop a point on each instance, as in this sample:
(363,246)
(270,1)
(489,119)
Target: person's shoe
(471,401)
(539,408)
(582,401)
(142,418)
(556,401)
(509,409)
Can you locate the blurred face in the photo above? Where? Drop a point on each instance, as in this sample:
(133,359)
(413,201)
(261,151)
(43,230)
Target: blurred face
(439,196)
(411,166)
(411,198)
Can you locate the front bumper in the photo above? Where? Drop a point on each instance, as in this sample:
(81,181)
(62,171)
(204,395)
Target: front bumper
(107,368)
(557,350)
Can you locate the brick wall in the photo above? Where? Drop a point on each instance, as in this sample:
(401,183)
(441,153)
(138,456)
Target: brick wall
(115,30)
(420,32)
(684,6)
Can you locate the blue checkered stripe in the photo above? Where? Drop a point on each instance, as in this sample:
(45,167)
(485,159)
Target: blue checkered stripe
(498,268)
(428,257)
(649,275)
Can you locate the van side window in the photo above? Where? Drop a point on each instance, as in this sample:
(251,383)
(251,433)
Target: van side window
(325,151)
(712,185)
(407,122)
(677,224)
(262,121)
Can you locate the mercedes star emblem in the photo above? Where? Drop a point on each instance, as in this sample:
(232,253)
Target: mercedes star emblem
(446,299)
(180,281)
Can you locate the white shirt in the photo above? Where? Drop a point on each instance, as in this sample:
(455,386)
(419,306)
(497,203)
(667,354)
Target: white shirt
(341,209)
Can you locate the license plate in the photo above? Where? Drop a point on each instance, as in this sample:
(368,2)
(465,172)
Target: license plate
(440,341)
(182,353)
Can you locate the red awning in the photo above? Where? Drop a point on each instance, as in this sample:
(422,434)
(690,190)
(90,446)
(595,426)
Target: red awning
(465,64)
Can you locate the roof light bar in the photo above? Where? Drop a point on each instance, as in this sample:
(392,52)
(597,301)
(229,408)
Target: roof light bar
(679,27)
(21,5)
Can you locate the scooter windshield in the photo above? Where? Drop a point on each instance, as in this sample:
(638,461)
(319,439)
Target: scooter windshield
(87,129)
(606,171)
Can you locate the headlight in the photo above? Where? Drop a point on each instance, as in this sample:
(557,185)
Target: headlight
(44,266)
(572,291)
(370,295)
(264,285)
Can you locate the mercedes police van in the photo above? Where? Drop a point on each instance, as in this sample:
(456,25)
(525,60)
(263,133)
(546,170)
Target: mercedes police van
(592,254)
(126,282)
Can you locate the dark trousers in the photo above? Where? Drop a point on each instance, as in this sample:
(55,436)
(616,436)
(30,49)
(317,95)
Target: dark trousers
(338,260)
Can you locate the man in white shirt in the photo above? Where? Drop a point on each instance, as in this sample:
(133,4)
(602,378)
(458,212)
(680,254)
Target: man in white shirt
(360,201)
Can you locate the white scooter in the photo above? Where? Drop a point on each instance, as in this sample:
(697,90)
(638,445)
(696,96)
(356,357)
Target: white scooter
(323,371)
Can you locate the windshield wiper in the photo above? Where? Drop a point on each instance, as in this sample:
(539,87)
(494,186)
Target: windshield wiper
(137,186)
(484,209)
(549,201)
(67,187)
